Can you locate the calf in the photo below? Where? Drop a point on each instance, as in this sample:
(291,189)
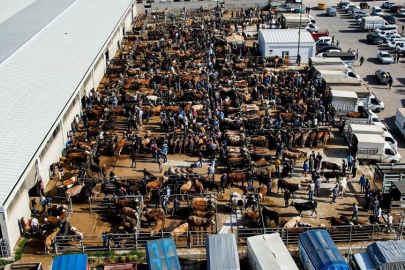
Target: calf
(306,206)
(194,221)
(50,241)
(158,227)
(179,231)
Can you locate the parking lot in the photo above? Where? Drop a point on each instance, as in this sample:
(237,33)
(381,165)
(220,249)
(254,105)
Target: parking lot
(350,35)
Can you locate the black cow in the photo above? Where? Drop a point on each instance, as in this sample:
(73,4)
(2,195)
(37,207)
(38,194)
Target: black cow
(306,206)
(284,184)
(329,175)
(269,215)
(330,166)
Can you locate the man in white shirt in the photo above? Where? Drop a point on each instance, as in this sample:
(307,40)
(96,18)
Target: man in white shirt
(390,220)
(34,225)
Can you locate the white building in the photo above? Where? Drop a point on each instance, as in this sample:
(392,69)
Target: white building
(284,42)
(51,53)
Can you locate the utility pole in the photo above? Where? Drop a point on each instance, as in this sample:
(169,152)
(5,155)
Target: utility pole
(299,30)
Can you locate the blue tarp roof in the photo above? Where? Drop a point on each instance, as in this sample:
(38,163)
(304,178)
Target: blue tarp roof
(70,262)
(162,254)
(322,251)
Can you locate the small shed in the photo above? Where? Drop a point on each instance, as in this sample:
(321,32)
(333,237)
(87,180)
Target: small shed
(284,43)
(162,254)
(70,261)
(268,252)
(222,252)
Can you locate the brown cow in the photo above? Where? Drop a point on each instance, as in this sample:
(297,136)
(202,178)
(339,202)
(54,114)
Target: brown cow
(158,227)
(129,212)
(355,115)
(238,176)
(204,214)
(121,145)
(95,192)
(155,184)
(55,220)
(198,186)
(179,231)
(77,157)
(153,214)
(262,192)
(73,191)
(260,162)
(173,225)
(186,188)
(292,155)
(50,241)
(194,221)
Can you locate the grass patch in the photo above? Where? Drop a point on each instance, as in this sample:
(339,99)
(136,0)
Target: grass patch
(20,249)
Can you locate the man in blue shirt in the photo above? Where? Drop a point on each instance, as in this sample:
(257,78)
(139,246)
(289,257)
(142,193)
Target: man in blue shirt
(164,153)
(362,183)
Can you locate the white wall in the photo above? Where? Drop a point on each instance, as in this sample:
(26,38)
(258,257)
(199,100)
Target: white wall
(99,71)
(306,50)
(88,84)
(73,110)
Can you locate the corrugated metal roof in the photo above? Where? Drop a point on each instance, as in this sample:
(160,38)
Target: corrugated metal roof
(21,27)
(285,36)
(39,79)
(11,7)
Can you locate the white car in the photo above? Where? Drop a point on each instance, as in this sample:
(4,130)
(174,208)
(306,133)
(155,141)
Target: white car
(392,37)
(343,4)
(385,57)
(351,7)
(311,28)
(385,35)
(400,47)
(388,4)
(394,43)
(401,12)
(359,12)
(353,75)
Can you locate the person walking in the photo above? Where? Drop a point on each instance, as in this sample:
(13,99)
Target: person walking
(133,157)
(344,167)
(390,81)
(49,200)
(286,197)
(298,60)
(60,169)
(333,39)
(104,173)
(378,213)
(318,182)
(357,54)
(335,192)
(355,212)
(337,43)
(305,168)
(42,201)
(398,54)
(395,58)
(390,220)
(277,164)
(361,60)
(211,170)
(362,183)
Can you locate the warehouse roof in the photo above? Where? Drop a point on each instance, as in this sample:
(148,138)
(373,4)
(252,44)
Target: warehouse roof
(22,25)
(40,78)
(285,36)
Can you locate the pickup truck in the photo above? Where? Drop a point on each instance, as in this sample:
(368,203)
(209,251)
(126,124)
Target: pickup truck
(320,33)
(383,75)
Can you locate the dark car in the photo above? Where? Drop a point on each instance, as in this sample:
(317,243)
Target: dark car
(330,47)
(320,45)
(374,39)
(395,8)
(390,19)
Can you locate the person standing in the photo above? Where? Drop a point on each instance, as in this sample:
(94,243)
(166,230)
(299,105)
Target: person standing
(286,197)
(298,60)
(390,220)
(292,166)
(49,200)
(337,43)
(104,173)
(34,206)
(165,203)
(60,169)
(354,169)
(269,187)
(200,157)
(52,169)
(34,225)
(42,201)
(42,187)
(403,28)
(398,54)
(333,39)
(361,60)
(133,157)
(357,54)
(362,183)
(23,225)
(211,170)
(311,189)
(355,212)
(390,81)
(378,213)
(344,167)
(305,168)
(223,181)
(277,164)
(318,182)
(335,192)
(160,162)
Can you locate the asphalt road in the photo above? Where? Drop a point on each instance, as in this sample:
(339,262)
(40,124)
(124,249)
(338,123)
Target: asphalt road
(350,35)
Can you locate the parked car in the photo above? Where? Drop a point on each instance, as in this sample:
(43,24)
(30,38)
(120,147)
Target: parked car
(353,75)
(376,11)
(331,12)
(359,12)
(384,34)
(321,6)
(311,28)
(388,4)
(358,17)
(389,18)
(393,44)
(392,37)
(374,39)
(321,45)
(343,3)
(400,47)
(401,12)
(330,47)
(395,8)
(350,8)
(383,75)
(385,57)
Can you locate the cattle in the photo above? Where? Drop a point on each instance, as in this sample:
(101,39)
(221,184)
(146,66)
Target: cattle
(173,225)
(95,169)
(121,145)
(342,187)
(73,191)
(130,224)
(270,215)
(260,162)
(129,212)
(55,220)
(303,153)
(186,188)
(285,185)
(95,192)
(180,230)
(204,214)
(202,205)
(69,182)
(263,174)
(152,98)
(55,211)
(355,115)
(210,185)
(134,204)
(199,187)
(329,175)
(305,206)
(50,240)
(239,176)
(155,184)
(251,219)
(74,231)
(154,214)
(262,193)
(258,141)
(330,166)
(158,227)
(78,158)
(198,107)
(292,155)
(199,222)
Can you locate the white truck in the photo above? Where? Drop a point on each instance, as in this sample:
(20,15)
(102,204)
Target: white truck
(379,255)
(370,100)
(325,61)
(292,20)
(372,23)
(368,129)
(344,102)
(372,148)
(400,121)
